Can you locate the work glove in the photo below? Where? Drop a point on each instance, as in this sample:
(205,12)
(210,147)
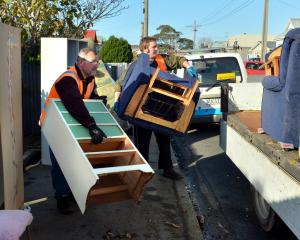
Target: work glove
(97,134)
(104,99)
(116,106)
(191,71)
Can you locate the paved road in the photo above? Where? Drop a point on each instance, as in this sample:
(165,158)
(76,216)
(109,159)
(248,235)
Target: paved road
(220,191)
(255,78)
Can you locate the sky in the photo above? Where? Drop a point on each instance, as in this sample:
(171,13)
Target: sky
(216,19)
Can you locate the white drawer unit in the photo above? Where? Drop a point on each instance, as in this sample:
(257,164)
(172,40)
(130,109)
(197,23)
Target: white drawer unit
(111,171)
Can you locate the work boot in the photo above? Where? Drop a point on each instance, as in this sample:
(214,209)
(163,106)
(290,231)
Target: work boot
(171,173)
(32,159)
(63,205)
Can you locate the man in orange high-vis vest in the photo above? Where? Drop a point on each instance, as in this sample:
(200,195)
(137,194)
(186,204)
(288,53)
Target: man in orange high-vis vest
(74,85)
(142,136)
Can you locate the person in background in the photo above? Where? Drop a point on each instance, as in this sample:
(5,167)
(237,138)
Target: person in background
(74,85)
(142,136)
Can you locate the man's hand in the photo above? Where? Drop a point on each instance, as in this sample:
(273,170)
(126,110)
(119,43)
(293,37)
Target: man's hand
(97,134)
(191,71)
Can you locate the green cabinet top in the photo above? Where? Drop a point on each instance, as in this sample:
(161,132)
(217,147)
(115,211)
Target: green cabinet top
(99,112)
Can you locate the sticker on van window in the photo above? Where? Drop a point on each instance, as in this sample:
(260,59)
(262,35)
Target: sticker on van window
(226,76)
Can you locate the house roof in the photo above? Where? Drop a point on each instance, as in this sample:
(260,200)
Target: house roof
(246,40)
(292,23)
(270,45)
(295,22)
(91,34)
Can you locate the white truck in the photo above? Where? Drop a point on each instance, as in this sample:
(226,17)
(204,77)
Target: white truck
(212,67)
(274,173)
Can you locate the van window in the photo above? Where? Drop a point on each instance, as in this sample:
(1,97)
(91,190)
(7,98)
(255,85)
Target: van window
(208,69)
(254,65)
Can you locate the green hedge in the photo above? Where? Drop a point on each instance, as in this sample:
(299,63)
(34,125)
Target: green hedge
(116,50)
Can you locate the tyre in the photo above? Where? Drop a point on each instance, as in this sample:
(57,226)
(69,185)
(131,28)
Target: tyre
(266,216)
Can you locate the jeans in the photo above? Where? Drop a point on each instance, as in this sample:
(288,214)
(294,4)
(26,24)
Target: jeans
(59,182)
(142,137)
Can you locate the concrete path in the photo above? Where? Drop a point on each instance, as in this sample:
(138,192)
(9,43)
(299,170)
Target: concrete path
(165,212)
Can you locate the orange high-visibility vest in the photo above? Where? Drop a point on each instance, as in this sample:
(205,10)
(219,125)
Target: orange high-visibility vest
(71,72)
(161,63)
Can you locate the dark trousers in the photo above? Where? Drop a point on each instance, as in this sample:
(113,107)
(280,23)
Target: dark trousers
(59,182)
(142,139)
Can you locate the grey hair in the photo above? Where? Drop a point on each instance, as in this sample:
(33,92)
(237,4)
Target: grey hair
(84,51)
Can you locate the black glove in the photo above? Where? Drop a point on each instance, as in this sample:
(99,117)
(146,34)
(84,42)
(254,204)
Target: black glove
(97,134)
(104,99)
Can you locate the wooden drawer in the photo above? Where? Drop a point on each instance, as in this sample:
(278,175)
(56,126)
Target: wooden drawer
(164,103)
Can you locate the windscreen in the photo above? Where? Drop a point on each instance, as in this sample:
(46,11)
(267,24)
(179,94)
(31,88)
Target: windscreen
(210,70)
(254,65)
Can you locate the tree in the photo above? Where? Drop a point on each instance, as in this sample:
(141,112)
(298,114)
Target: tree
(167,38)
(60,18)
(78,16)
(36,19)
(116,50)
(185,43)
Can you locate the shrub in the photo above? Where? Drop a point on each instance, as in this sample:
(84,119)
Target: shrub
(116,50)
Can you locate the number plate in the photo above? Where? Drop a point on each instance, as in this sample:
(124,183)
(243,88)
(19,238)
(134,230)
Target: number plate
(209,103)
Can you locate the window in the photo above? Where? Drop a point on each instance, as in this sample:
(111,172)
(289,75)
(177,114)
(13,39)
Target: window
(208,69)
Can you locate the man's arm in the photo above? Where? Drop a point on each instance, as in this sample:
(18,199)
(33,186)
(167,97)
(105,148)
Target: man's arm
(174,62)
(71,98)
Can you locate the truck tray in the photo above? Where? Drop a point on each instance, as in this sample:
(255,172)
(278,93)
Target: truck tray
(246,123)
(96,173)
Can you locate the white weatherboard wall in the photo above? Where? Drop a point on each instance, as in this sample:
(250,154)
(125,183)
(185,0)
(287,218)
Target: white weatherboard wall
(245,96)
(57,54)
(11,149)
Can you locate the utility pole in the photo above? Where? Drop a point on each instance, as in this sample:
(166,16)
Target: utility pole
(145,11)
(265,31)
(142,30)
(194,29)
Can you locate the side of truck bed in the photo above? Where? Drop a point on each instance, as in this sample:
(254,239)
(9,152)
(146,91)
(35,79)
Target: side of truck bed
(273,172)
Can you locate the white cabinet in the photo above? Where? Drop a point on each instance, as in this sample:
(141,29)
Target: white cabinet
(57,54)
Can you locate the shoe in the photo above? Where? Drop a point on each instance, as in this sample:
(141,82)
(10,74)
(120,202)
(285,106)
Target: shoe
(172,174)
(31,159)
(63,205)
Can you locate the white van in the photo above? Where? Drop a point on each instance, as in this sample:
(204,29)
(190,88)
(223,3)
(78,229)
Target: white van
(211,69)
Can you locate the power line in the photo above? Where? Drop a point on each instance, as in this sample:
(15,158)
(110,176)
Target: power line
(232,12)
(216,11)
(194,29)
(289,5)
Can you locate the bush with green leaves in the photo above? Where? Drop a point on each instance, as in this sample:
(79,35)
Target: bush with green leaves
(116,50)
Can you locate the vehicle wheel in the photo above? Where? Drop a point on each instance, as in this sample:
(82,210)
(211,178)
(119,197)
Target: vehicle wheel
(266,216)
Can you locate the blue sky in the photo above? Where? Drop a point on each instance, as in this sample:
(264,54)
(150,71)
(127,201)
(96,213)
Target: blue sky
(218,19)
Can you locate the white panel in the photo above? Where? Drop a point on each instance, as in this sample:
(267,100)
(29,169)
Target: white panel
(140,167)
(278,188)
(53,64)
